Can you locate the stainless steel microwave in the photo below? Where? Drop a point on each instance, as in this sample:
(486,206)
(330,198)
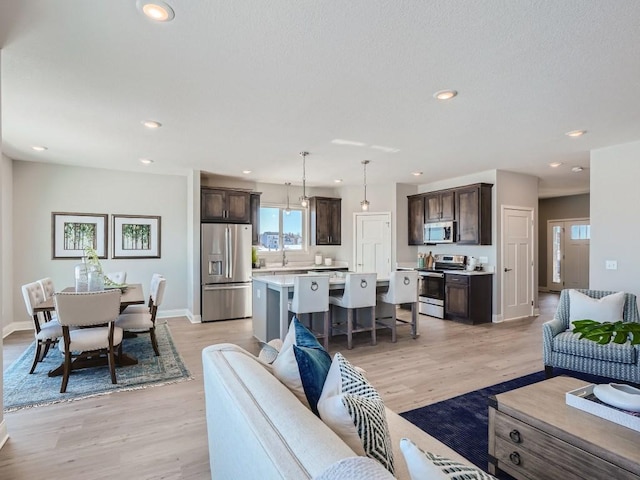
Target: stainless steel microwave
(440,232)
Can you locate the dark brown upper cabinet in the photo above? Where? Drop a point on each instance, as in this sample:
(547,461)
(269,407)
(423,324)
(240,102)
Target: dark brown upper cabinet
(255,218)
(416,219)
(469,206)
(473,214)
(439,206)
(326,220)
(225,206)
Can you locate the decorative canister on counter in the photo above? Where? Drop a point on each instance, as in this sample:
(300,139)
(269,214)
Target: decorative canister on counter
(328,261)
(318,258)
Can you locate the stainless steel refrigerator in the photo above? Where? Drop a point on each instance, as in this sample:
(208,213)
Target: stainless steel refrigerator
(225,271)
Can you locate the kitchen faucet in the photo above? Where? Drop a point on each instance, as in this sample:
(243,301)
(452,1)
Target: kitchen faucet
(284,257)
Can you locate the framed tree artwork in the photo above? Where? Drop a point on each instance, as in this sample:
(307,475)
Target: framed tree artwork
(71,233)
(136,236)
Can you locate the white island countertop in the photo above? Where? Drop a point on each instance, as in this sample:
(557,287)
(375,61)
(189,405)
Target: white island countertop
(335,279)
(299,266)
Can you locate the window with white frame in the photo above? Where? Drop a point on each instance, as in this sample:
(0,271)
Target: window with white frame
(281,230)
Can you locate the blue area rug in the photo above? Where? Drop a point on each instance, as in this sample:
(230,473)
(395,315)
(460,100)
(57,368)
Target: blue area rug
(22,390)
(462,422)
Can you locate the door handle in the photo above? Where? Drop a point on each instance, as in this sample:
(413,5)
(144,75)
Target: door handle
(507,269)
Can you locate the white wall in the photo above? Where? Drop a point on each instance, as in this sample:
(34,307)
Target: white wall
(6,245)
(4,232)
(615,229)
(39,189)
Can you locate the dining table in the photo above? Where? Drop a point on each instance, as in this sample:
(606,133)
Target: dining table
(132,295)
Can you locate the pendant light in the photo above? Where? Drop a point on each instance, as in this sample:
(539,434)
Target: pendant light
(288,209)
(365,203)
(304,200)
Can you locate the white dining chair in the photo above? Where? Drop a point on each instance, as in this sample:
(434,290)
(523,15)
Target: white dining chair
(146,308)
(47,331)
(48,290)
(95,313)
(145,322)
(117,277)
(311,295)
(359,292)
(403,288)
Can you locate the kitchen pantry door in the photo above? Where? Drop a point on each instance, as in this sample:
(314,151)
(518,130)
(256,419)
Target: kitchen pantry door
(517,262)
(373,243)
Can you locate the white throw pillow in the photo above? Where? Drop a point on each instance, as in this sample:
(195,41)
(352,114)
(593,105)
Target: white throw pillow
(429,466)
(353,409)
(605,309)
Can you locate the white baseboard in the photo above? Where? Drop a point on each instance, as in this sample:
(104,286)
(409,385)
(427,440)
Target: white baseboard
(16,327)
(4,434)
(180,312)
(497,318)
(536,312)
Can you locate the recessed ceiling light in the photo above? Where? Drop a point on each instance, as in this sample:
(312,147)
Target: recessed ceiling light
(555,164)
(385,149)
(146,161)
(151,124)
(575,133)
(39,148)
(156,10)
(577,169)
(416,174)
(445,94)
(246,172)
(339,141)
(338,180)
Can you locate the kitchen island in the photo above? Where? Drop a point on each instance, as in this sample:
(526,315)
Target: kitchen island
(271,295)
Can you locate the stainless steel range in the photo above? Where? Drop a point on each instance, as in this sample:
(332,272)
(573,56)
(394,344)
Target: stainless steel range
(431,297)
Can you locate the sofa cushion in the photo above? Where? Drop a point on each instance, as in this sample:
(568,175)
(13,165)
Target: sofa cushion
(354,410)
(570,343)
(605,309)
(355,468)
(429,466)
(302,364)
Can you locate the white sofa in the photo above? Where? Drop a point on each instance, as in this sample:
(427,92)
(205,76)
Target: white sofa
(258,429)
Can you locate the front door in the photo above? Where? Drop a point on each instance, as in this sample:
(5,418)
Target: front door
(517,262)
(568,247)
(373,243)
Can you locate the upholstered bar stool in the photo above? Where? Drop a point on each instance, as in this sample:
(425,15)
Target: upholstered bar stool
(311,295)
(359,292)
(403,288)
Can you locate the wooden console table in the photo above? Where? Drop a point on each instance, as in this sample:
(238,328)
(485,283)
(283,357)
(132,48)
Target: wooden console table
(534,434)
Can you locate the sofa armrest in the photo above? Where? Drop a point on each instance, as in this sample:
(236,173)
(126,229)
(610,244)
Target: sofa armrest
(549,330)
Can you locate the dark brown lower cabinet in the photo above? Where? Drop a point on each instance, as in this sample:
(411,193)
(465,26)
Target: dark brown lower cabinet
(468,298)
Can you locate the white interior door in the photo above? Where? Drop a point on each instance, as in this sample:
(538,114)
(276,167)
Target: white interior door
(373,243)
(517,262)
(568,250)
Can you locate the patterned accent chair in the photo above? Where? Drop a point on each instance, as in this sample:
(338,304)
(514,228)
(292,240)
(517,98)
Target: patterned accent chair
(563,349)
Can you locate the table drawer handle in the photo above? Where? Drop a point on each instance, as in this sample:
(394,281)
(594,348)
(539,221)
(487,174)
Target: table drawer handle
(514,435)
(515,458)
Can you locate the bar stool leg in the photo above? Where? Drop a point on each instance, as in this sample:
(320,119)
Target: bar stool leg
(373,325)
(327,330)
(349,328)
(414,319)
(394,322)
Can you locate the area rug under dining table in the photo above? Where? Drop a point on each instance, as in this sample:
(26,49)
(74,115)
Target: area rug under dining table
(23,390)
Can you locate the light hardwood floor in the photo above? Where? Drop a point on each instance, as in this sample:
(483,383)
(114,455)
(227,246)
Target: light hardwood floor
(160,432)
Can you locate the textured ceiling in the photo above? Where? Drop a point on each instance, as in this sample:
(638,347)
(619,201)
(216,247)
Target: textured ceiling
(248,84)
